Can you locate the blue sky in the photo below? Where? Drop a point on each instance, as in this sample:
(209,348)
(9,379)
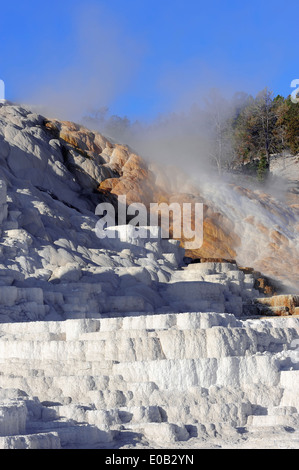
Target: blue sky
(142,58)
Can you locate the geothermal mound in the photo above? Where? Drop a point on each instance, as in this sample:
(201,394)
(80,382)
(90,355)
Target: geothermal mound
(127,342)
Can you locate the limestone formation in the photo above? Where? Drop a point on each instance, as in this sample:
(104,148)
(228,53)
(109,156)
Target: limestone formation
(109,341)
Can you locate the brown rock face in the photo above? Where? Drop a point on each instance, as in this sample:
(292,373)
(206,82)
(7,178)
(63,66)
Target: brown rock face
(110,168)
(135,180)
(279,305)
(219,238)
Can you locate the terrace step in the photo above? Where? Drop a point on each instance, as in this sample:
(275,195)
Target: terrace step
(47,440)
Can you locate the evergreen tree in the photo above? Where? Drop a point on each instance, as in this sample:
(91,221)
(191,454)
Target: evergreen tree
(262,168)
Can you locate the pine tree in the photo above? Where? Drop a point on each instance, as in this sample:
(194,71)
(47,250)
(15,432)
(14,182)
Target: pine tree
(262,168)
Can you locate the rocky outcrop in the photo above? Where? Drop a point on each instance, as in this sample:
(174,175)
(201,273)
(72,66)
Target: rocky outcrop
(108,168)
(281,305)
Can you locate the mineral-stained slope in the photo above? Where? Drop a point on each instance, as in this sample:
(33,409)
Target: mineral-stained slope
(116,341)
(249,225)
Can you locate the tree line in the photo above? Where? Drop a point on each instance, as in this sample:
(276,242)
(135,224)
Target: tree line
(248,130)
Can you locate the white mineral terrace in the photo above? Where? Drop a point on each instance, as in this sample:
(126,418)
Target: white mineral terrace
(157,379)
